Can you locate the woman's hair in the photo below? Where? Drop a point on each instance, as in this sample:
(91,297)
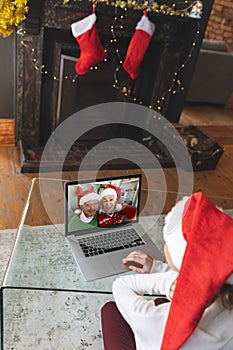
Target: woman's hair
(226,296)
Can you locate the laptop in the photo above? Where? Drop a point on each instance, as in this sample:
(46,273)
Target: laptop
(106,234)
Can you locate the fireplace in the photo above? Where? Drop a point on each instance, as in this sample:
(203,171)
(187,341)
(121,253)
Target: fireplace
(46,100)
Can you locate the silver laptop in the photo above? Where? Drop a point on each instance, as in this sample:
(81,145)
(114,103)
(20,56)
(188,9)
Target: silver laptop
(102,224)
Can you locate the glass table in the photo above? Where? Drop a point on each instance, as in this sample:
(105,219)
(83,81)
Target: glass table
(45,302)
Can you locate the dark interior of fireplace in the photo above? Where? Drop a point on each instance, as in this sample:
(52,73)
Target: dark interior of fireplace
(64,97)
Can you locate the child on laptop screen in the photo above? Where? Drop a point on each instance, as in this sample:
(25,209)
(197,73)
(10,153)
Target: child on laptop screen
(198,310)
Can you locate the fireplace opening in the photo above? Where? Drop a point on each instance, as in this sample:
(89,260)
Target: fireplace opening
(70,93)
(74,93)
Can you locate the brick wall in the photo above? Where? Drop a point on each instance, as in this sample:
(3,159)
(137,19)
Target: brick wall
(220,25)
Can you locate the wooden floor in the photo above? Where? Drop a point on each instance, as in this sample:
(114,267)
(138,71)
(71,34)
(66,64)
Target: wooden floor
(205,114)
(214,121)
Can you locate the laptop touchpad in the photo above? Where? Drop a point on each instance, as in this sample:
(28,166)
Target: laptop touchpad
(116,261)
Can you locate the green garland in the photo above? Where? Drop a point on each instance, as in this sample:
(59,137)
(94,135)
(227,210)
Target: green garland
(139,5)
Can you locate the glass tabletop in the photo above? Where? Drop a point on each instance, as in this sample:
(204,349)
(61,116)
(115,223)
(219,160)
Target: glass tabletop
(42,257)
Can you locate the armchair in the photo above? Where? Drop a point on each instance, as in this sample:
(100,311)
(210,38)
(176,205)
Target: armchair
(212,80)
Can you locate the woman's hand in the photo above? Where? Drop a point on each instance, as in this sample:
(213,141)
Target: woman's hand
(139,261)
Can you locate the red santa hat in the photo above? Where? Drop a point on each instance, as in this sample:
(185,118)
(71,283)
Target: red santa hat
(84,196)
(114,191)
(199,239)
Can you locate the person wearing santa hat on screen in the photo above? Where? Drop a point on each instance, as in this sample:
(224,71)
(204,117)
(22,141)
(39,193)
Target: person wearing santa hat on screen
(86,213)
(197,282)
(112,210)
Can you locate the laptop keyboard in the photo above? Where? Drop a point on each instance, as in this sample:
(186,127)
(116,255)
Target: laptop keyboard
(109,242)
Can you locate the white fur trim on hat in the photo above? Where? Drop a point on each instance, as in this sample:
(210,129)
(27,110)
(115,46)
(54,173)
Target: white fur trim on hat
(92,196)
(107,192)
(146,25)
(83,25)
(118,207)
(172,233)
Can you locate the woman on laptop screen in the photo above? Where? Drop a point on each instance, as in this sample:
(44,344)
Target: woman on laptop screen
(113,211)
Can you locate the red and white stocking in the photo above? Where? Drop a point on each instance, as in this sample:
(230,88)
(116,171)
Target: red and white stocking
(138,46)
(86,35)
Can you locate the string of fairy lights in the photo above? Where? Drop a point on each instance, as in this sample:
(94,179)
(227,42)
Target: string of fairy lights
(148,5)
(176,85)
(114,41)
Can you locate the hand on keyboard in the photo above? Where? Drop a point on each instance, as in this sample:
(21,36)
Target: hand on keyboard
(139,261)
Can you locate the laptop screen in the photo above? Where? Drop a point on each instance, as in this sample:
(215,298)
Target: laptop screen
(93,205)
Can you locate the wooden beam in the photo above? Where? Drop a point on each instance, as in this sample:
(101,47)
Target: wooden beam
(7,132)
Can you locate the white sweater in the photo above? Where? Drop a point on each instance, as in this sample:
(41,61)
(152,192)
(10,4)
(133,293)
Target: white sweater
(148,321)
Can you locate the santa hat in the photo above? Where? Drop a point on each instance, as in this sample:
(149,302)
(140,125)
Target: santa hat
(114,191)
(84,196)
(200,244)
